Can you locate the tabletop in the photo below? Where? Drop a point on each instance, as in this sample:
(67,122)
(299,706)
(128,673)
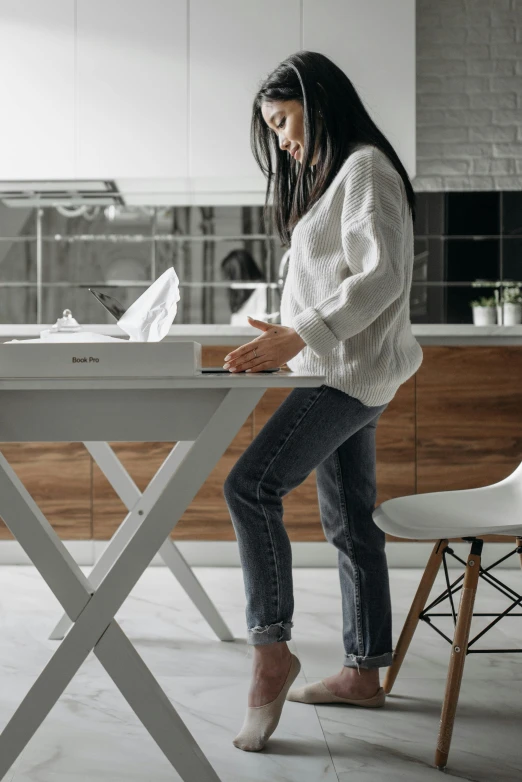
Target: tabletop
(281,379)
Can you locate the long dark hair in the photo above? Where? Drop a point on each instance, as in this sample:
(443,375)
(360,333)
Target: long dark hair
(320,86)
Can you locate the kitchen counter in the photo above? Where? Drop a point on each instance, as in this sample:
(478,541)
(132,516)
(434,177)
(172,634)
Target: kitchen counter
(455,424)
(224,334)
(467,334)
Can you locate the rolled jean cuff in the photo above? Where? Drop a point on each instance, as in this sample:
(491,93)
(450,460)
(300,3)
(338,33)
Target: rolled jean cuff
(356,661)
(269,634)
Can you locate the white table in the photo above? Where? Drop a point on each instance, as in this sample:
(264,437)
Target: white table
(202,415)
(172,557)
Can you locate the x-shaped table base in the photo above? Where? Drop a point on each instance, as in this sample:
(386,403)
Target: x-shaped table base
(91,605)
(129,494)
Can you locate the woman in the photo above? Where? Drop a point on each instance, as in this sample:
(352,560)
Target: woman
(343,198)
(240,265)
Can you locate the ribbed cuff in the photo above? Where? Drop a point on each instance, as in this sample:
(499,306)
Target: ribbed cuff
(312,328)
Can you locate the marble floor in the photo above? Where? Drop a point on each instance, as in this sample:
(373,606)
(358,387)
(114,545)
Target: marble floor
(92,734)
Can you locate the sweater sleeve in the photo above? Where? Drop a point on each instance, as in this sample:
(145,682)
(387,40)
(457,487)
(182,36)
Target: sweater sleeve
(372,245)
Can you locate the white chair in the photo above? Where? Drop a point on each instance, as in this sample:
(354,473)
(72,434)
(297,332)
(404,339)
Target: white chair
(467,514)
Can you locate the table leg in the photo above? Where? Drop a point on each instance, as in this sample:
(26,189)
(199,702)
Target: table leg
(129,493)
(94,613)
(177,564)
(144,695)
(89,633)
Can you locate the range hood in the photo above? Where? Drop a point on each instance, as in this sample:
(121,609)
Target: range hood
(193,191)
(63,192)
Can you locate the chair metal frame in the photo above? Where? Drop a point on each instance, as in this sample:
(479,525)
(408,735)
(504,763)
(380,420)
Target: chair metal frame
(453,588)
(467,585)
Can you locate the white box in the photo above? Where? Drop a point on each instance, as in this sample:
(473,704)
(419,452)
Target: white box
(100,359)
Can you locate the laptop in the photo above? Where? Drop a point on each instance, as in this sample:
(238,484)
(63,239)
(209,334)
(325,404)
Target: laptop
(117,309)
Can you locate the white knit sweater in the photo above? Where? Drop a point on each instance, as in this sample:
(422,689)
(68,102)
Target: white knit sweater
(348,283)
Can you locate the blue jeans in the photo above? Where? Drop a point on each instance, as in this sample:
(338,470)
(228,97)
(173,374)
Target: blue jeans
(327,430)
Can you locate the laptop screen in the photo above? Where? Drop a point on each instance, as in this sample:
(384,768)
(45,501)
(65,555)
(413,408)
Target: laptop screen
(111,304)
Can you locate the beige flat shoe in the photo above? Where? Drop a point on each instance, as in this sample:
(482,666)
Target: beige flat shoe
(318,692)
(261,721)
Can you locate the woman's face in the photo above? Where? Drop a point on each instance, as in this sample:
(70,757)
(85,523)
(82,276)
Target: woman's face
(285,118)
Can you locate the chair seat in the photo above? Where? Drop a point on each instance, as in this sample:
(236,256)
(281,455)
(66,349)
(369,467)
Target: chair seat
(489,510)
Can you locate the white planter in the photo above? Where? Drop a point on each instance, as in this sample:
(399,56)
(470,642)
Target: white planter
(484,316)
(500,314)
(512,313)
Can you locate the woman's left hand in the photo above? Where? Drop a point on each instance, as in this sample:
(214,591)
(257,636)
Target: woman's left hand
(274,347)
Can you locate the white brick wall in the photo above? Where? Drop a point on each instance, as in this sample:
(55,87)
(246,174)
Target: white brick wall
(469,95)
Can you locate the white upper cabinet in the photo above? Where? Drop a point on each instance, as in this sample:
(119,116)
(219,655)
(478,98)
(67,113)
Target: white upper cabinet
(373,42)
(234,45)
(158,93)
(37,89)
(131,88)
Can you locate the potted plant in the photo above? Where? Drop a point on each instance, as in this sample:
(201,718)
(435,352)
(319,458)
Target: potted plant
(487,309)
(484,311)
(512,303)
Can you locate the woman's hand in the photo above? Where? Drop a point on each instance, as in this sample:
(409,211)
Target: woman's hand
(274,347)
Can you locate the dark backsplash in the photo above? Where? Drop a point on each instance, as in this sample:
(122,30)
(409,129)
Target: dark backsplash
(121,250)
(459,238)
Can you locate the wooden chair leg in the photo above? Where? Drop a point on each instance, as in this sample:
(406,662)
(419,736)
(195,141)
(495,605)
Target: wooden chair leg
(519,543)
(458,654)
(412,620)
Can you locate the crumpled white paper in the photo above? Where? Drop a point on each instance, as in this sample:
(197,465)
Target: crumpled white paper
(150,317)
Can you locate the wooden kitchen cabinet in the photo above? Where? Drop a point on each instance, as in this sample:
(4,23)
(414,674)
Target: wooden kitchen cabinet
(207,517)
(469,416)
(58,477)
(457,424)
(396,445)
